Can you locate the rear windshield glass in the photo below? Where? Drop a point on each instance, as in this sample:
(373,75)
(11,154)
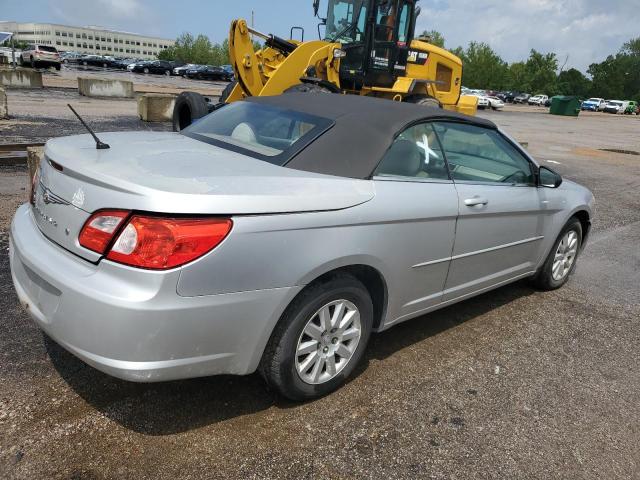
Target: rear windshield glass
(265,132)
(46,48)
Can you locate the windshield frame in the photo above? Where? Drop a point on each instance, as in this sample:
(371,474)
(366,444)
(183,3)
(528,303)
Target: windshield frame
(354,21)
(322,125)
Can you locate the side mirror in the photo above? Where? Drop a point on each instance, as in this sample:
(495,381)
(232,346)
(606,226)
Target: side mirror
(548,178)
(316,7)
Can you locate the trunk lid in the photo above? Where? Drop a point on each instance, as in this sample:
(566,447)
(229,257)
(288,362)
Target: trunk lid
(166,172)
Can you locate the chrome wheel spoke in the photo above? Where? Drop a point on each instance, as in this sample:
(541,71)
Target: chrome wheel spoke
(307,347)
(304,366)
(350,317)
(343,351)
(338,313)
(316,371)
(313,331)
(350,334)
(331,365)
(325,318)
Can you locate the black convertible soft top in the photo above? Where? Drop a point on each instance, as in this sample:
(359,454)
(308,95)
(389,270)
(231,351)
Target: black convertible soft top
(364,128)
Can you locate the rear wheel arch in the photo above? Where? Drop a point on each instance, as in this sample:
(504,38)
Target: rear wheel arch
(370,277)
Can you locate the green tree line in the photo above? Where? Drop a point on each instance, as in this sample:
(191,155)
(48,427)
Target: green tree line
(618,76)
(199,50)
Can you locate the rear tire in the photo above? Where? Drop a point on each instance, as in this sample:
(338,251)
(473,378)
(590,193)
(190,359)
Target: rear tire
(307,88)
(424,100)
(227,91)
(189,107)
(547,277)
(146,70)
(282,364)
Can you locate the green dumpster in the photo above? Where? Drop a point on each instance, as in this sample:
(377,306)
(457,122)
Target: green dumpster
(567,105)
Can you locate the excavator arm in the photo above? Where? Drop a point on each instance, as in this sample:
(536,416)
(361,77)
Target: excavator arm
(279,65)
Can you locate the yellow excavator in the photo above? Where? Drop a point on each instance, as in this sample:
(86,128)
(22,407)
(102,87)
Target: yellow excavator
(368,49)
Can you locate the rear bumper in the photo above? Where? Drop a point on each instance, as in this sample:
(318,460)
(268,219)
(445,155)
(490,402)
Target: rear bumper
(131,323)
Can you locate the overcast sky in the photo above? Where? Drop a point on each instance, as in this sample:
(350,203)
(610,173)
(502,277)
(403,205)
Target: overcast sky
(584,30)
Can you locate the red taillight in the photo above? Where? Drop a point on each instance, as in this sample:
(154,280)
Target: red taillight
(160,243)
(100,228)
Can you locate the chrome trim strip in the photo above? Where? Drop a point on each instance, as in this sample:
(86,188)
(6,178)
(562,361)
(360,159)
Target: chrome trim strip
(478,252)
(432,262)
(499,247)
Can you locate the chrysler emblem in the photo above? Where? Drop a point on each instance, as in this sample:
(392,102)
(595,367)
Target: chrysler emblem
(48,197)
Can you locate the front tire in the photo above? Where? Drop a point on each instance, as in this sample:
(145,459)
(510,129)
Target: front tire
(562,258)
(227,91)
(319,340)
(424,100)
(307,88)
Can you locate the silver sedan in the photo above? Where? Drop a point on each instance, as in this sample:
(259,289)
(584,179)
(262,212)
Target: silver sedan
(277,233)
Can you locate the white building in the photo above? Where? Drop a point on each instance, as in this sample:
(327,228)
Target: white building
(89,40)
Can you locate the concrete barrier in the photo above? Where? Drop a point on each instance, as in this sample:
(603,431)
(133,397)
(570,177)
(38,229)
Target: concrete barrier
(20,77)
(156,107)
(34,156)
(94,87)
(4,109)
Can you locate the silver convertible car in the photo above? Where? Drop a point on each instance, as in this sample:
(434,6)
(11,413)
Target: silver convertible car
(277,233)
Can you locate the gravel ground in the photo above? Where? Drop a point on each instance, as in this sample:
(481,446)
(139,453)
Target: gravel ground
(513,384)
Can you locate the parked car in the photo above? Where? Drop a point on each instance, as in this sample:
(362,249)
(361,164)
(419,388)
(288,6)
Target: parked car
(522,98)
(495,103)
(157,67)
(483,102)
(36,55)
(244,242)
(95,61)
(208,72)
(181,70)
(70,57)
(616,106)
(631,108)
(538,100)
(547,102)
(121,63)
(507,97)
(228,69)
(594,104)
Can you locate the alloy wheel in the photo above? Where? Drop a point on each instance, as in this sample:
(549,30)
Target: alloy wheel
(328,341)
(565,255)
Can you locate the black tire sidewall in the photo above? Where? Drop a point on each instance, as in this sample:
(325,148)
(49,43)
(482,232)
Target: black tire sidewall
(196,105)
(289,383)
(307,88)
(227,91)
(544,279)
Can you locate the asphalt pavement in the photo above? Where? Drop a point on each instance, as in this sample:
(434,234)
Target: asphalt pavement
(513,384)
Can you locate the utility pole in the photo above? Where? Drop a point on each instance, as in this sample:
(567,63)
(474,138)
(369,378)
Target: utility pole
(252,26)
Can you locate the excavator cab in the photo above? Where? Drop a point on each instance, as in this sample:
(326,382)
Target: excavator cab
(375,36)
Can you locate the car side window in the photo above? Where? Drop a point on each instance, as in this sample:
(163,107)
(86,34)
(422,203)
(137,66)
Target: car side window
(415,153)
(477,154)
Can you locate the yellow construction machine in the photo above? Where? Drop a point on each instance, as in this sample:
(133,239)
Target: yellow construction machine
(368,49)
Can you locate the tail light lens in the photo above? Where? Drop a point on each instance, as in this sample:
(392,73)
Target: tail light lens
(100,228)
(155,243)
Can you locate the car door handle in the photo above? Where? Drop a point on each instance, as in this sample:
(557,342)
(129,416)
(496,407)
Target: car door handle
(474,201)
